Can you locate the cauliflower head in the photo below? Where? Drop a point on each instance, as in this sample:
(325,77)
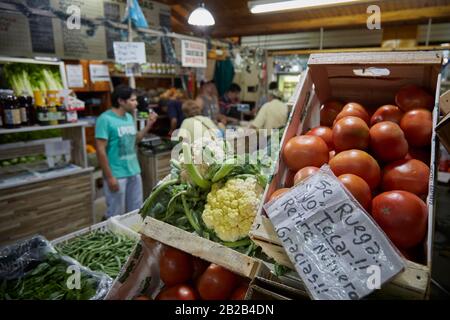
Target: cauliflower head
(231,208)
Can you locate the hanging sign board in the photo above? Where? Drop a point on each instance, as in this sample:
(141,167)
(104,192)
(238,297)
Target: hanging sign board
(129,52)
(337,249)
(74,74)
(193,54)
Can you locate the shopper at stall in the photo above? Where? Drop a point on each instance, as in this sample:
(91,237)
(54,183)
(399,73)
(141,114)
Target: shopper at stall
(273,114)
(116,138)
(209,102)
(174,111)
(228,103)
(196,125)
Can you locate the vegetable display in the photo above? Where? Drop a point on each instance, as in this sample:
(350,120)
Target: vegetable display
(217,200)
(186,277)
(48,281)
(384,165)
(99,251)
(25,78)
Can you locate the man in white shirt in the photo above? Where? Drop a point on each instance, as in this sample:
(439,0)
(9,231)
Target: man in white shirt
(273,114)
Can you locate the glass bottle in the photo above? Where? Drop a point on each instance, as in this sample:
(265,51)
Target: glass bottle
(11,112)
(51,107)
(24,111)
(41,109)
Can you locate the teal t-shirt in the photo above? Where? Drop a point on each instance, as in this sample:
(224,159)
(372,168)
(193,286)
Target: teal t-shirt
(120,132)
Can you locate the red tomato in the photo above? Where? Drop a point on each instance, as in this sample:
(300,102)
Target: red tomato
(216,283)
(199,266)
(417,126)
(175,266)
(422,154)
(358,188)
(350,133)
(325,133)
(388,112)
(388,142)
(278,193)
(353,109)
(303,151)
(289,180)
(240,292)
(413,97)
(304,173)
(328,112)
(359,163)
(178,292)
(408,175)
(402,216)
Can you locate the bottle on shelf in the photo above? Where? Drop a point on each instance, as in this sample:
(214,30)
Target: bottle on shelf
(24,111)
(32,110)
(52,101)
(42,115)
(61,110)
(11,112)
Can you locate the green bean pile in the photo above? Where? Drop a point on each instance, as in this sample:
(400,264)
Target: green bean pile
(48,281)
(99,251)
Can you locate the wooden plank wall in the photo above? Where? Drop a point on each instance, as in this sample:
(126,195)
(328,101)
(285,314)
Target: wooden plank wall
(50,208)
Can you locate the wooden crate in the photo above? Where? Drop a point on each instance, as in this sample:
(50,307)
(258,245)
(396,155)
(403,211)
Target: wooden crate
(203,248)
(338,76)
(51,208)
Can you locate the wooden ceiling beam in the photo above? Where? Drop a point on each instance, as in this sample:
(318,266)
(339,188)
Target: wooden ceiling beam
(418,14)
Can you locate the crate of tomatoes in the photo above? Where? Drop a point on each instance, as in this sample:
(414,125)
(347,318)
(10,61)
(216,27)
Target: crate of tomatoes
(172,264)
(371,118)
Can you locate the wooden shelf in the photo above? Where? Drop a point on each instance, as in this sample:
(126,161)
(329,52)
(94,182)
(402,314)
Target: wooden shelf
(39,128)
(149,76)
(46,177)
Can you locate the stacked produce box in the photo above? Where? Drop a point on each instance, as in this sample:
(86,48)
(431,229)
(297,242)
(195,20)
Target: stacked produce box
(371,118)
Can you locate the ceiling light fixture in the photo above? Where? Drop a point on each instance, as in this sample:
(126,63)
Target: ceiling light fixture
(264,6)
(201,17)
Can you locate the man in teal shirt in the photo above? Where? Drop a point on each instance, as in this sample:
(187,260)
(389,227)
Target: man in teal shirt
(116,138)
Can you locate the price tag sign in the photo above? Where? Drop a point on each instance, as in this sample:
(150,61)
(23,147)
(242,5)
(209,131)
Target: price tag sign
(74,75)
(129,52)
(99,72)
(193,54)
(337,249)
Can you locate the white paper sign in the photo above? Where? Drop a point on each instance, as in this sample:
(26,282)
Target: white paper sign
(193,54)
(337,249)
(74,75)
(99,72)
(129,52)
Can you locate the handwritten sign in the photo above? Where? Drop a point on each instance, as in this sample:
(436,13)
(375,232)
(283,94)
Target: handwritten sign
(193,54)
(99,72)
(129,52)
(337,249)
(74,75)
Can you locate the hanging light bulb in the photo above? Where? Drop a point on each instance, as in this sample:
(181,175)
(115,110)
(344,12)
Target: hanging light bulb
(201,17)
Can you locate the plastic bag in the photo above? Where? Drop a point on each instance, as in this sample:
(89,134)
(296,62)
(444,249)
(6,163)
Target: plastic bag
(35,261)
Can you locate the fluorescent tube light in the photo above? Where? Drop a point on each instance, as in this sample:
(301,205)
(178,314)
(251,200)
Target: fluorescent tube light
(265,6)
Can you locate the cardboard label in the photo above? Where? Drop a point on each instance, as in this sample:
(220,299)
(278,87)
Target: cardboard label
(74,75)
(193,54)
(337,249)
(129,52)
(99,72)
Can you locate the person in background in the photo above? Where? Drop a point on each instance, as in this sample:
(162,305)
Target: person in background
(195,119)
(229,99)
(273,114)
(209,102)
(116,138)
(264,98)
(174,112)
